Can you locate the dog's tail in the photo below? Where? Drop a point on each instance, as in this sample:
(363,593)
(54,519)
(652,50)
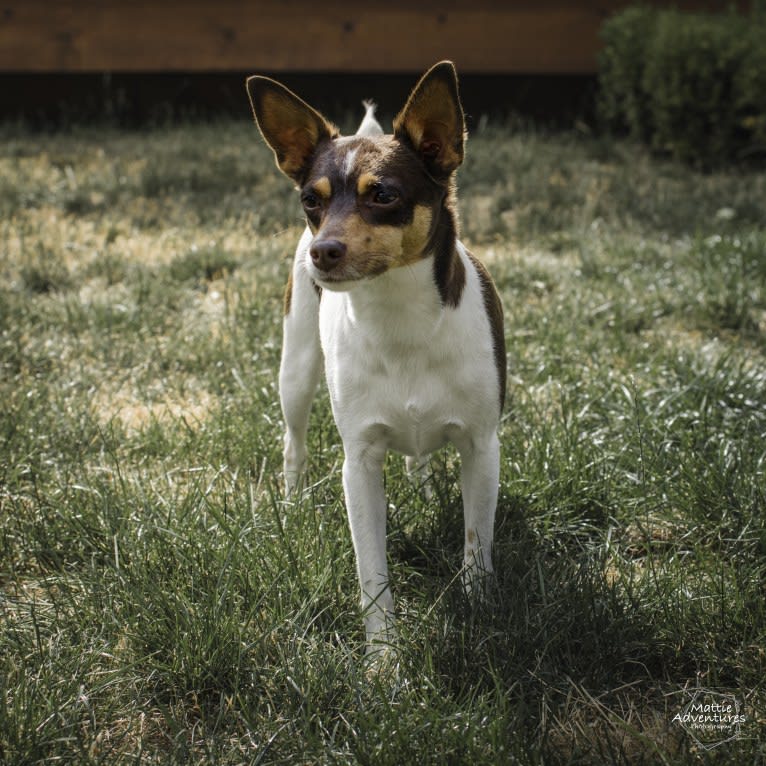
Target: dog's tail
(369,126)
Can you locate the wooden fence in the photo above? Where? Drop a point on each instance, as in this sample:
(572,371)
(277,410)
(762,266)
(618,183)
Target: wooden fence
(389,36)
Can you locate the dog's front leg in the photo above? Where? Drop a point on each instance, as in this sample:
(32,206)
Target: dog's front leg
(301,366)
(480,476)
(366,507)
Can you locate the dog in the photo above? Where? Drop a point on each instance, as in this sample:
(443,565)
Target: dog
(407,320)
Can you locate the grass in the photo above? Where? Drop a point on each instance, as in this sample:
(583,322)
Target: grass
(160,600)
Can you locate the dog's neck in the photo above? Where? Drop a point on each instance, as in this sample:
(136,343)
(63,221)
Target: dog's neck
(403,308)
(397,310)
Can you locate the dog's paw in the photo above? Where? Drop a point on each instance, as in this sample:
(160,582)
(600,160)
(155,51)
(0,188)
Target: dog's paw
(381,661)
(294,466)
(476,579)
(293,483)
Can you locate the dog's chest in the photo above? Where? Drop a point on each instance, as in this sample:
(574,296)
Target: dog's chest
(405,373)
(412,398)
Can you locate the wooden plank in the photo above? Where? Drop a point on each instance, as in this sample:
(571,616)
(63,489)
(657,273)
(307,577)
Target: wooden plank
(483,36)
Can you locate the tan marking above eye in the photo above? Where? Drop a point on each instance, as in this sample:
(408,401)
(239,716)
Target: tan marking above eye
(365,183)
(323,187)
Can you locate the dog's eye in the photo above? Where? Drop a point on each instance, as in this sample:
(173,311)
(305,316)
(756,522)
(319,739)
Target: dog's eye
(382,195)
(310,201)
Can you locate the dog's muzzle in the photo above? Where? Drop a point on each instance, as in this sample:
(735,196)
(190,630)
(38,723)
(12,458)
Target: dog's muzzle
(327,254)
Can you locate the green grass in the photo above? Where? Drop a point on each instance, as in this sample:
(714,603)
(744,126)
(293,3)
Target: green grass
(161,601)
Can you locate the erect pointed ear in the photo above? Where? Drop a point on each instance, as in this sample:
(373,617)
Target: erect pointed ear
(290,126)
(432,120)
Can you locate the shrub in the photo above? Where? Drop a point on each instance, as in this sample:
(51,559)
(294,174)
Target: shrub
(621,69)
(691,84)
(750,85)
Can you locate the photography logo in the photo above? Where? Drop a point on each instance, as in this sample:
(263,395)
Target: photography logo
(711,718)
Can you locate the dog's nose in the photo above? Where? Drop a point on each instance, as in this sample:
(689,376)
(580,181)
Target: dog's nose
(326,254)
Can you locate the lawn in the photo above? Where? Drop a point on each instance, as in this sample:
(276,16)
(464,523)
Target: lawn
(162,602)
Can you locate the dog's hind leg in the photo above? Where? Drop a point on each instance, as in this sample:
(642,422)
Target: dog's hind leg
(301,366)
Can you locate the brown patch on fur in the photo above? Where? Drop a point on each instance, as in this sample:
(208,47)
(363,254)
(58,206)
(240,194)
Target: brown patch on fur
(372,250)
(288,297)
(494,311)
(415,235)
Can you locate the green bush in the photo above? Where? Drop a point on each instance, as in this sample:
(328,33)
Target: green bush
(691,84)
(621,69)
(750,84)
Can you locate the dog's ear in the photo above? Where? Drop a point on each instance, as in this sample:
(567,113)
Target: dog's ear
(290,126)
(432,120)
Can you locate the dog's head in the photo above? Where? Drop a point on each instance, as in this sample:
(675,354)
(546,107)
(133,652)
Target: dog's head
(373,202)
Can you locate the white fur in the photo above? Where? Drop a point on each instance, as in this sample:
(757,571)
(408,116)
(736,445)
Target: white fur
(348,162)
(301,365)
(370,127)
(405,373)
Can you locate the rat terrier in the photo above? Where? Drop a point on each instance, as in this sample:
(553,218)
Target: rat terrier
(409,321)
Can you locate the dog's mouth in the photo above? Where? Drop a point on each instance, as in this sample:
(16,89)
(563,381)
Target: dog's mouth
(336,282)
(353,270)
